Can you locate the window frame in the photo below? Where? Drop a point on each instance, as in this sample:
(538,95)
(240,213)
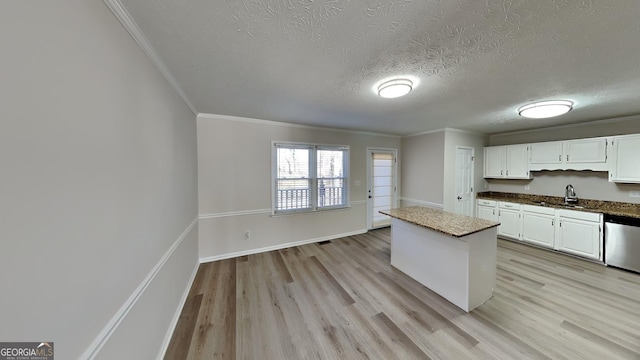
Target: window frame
(313,177)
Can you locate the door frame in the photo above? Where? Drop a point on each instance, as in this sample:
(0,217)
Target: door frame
(394,203)
(472,200)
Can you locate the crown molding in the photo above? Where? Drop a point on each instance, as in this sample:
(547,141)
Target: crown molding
(127,21)
(206,116)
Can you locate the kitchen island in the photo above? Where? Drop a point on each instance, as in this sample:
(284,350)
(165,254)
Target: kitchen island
(451,254)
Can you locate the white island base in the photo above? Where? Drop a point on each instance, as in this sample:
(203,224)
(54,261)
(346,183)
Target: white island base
(460,269)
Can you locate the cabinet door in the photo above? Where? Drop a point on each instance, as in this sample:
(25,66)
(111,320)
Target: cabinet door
(626,165)
(538,229)
(546,153)
(517,162)
(510,223)
(579,237)
(487,213)
(585,151)
(494,161)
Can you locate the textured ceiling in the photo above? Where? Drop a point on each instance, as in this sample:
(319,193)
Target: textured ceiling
(316,62)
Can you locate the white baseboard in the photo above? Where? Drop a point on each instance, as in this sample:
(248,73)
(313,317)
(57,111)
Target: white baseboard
(94,348)
(423,203)
(176,315)
(279,246)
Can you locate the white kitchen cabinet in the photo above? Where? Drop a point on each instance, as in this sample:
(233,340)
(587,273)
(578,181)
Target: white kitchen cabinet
(510,218)
(585,151)
(486,209)
(579,233)
(538,225)
(506,162)
(546,154)
(625,165)
(581,154)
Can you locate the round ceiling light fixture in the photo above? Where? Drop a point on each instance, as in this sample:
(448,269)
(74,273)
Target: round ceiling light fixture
(545,109)
(395,88)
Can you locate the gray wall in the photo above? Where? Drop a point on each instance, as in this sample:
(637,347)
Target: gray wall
(429,166)
(423,169)
(234,182)
(98,180)
(588,185)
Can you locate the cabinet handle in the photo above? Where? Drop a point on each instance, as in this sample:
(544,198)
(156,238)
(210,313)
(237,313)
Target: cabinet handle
(507,172)
(560,157)
(551,222)
(567,157)
(494,211)
(560,223)
(500,172)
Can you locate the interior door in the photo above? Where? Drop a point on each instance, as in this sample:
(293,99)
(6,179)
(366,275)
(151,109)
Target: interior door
(464,181)
(381,186)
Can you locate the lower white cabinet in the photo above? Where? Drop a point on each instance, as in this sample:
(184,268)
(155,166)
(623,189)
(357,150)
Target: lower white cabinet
(575,232)
(486,209)
(510,218)
(538,225)
(579,233)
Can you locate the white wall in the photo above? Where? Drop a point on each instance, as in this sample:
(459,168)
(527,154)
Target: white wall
(588,185)
(453,139)
(234,182)
(98,184)
(422,170)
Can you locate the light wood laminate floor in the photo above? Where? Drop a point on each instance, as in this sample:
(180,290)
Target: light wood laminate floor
(342,300)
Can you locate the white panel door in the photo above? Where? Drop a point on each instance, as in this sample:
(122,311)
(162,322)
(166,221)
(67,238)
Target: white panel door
(579,237)
(487,213)
(382,186)
(510,223)
(464,181)
(546,153)
(517,162)
(494,161)
(538,229)
(626,164)
(585,151)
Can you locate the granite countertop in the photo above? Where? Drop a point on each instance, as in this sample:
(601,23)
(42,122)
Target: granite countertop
(442,221)
(595,206)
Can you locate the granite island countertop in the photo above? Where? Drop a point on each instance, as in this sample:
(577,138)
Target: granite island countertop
(442,221)
(594,206)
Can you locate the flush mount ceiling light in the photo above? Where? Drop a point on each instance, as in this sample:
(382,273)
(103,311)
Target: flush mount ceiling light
(395,88)
(546,109)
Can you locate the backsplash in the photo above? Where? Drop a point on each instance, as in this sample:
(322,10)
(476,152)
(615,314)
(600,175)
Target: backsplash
(587,184)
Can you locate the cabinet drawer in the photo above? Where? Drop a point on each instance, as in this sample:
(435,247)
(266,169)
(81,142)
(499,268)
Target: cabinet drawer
(508,205)
(539,209)
(482,202)
(579,215)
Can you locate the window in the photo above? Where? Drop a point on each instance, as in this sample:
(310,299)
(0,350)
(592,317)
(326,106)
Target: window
(309,177)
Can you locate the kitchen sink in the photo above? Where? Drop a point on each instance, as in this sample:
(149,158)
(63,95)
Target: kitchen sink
(566,206)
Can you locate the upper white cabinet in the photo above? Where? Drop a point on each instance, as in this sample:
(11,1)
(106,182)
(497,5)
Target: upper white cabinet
(546,153)
(506,162)
(581,154)
(625,165)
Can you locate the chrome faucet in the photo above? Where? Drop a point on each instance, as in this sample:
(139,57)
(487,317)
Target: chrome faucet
(570,195)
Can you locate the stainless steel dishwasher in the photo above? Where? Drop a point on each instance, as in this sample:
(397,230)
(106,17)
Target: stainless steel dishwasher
(622,242)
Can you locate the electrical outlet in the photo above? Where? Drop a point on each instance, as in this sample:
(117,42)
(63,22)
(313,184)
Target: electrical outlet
(634,194)
(247,234)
